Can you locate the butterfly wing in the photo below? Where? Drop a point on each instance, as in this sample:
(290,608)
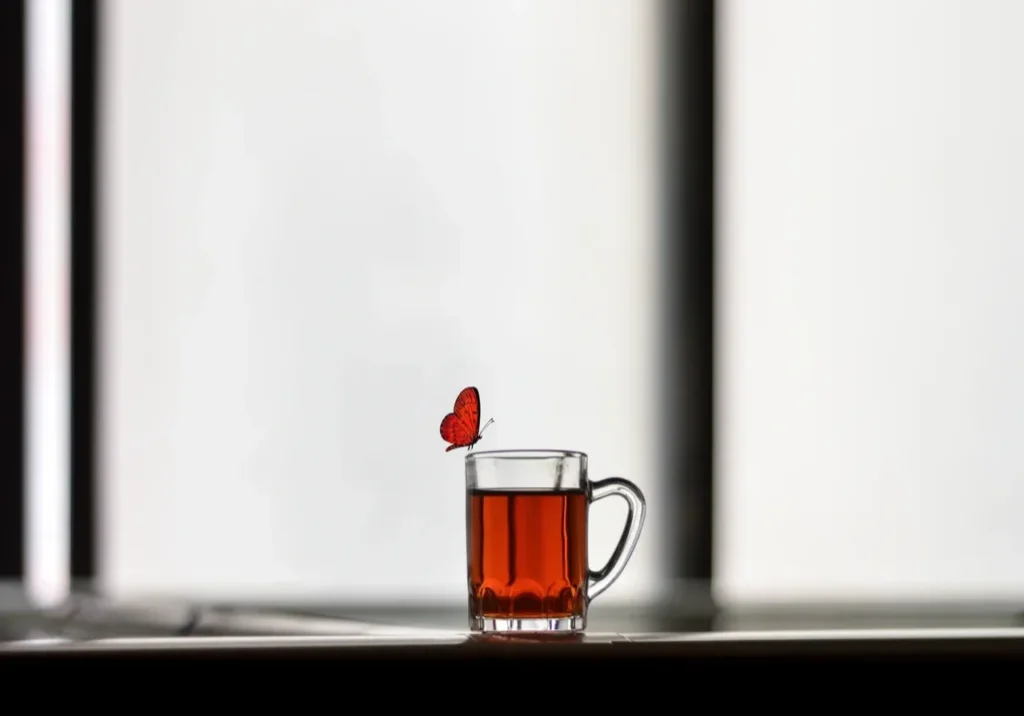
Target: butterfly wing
(455,431)
(460,428)
(467,408)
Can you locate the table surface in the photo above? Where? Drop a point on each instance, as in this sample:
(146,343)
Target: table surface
(843,648)
(90,625)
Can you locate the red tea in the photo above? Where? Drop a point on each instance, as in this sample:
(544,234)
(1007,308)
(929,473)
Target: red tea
(527,553)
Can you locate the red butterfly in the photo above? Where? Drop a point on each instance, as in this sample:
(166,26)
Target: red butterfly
(462,427)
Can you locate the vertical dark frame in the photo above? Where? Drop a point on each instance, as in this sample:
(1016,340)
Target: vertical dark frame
(688,46)
(84,283)
(13,320)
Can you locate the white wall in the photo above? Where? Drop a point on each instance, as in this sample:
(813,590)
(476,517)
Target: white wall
(321,220)
(872,397)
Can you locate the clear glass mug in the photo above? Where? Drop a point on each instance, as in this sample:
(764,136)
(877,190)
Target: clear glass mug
(526,539)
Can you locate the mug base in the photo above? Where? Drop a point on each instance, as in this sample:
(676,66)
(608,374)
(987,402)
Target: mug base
(560,625)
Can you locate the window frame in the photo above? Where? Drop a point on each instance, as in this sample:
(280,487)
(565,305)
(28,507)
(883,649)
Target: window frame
(688,91)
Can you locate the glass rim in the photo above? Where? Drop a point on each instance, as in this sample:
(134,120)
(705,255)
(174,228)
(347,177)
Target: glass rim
(525,454)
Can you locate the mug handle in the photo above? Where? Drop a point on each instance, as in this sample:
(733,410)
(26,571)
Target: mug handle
(603,578)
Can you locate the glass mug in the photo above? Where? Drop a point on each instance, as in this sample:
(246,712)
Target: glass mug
(526,539)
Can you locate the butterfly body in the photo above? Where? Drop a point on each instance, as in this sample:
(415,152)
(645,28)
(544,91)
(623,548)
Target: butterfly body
(461,427)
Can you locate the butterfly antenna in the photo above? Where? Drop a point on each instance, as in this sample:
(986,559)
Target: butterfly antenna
(485,426)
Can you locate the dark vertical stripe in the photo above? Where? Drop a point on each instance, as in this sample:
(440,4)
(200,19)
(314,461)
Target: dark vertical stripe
(13,157)
(84,104)
(688,201)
